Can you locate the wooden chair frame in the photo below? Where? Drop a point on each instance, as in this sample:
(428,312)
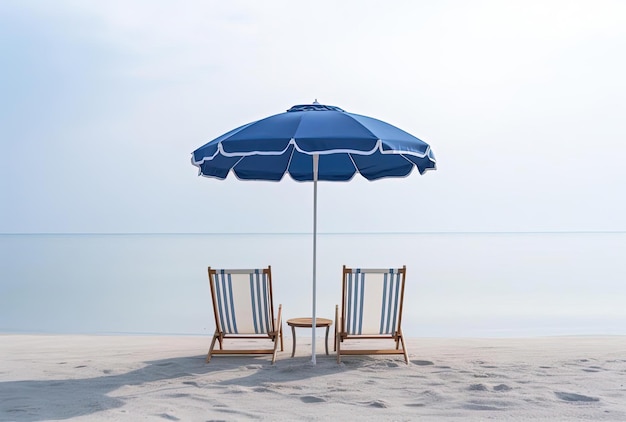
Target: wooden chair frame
(275,333)
(341,331)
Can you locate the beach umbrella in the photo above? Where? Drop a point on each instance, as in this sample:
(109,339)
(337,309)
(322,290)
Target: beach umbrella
(314,142)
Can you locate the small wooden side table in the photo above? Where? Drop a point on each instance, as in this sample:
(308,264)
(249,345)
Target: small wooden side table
(307,323)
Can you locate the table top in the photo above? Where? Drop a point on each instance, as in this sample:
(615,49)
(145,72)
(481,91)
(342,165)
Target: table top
(308,322)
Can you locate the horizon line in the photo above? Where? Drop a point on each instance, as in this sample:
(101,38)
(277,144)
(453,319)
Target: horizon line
(319,233)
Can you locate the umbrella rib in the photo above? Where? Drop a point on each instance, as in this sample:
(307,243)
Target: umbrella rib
(290,157)
(354,164)
(232,169)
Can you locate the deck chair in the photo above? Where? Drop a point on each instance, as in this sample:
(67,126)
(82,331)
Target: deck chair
(371,308)
(244,309)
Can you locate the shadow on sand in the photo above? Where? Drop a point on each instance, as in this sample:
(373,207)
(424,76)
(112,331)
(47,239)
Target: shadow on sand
(58,399)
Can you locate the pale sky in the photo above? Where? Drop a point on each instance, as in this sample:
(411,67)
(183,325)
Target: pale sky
(102,103)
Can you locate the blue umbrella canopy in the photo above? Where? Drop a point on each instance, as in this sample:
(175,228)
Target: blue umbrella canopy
(314,142)
(346,144)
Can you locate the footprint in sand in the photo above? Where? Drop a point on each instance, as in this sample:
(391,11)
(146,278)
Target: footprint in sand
(312,399)
(481,375)
(483,387)
(192,383)
(477,387)
(573,397)
(502,387)
(479,406)
(422,362)
(593,369)
(254,366)
(377,403)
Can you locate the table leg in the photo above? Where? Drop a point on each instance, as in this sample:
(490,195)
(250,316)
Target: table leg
(293,337)
(327,328)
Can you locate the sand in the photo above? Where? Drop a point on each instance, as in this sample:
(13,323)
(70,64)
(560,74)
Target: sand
(130,378)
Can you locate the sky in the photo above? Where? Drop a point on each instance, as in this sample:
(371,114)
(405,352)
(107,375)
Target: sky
(102,103)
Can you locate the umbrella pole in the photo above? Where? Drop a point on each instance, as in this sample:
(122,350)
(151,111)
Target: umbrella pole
(315,168)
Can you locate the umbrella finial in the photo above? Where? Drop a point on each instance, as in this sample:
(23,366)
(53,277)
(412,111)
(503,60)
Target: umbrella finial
(315,102)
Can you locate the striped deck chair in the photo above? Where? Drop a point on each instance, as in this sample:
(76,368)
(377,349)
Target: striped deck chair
(371,308)
(244,309)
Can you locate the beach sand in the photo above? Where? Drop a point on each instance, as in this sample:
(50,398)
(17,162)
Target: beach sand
(130,378)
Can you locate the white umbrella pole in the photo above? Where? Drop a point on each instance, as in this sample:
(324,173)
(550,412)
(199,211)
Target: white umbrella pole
(315,167)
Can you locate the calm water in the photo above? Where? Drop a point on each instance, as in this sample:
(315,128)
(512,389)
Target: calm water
(505,284)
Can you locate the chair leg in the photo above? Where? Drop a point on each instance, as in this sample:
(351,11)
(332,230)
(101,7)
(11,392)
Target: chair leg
(336,327)
(406,353)
(280,325)
(338,347)
(275,351)
(337,337)
(215,337)
(279,333)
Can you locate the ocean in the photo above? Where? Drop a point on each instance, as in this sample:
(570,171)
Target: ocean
(458,284)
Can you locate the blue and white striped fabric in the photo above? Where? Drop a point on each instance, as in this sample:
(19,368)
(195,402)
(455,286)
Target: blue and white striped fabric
(243,301)
(372,301)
